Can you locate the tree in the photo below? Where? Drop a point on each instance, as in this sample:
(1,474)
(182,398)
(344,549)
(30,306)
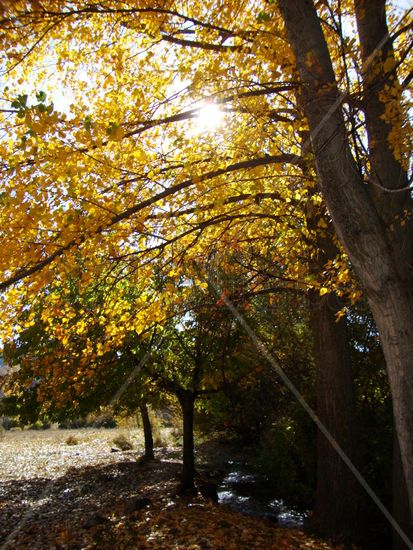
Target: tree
(61,372)
(375,231)
(338,501)
(197,359)
(138,184)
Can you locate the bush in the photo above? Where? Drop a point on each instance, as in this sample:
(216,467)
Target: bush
(9,423)
(72,423)
(288,460)
(104,421)
(123,443)
(101,421)
(72,440)
(40,425)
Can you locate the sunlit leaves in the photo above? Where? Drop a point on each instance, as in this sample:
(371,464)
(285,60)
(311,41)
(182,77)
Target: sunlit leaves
(106,108)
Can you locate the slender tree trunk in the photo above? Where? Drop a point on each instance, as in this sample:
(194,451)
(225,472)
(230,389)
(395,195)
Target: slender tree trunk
(360,223)
(337,504)
(147,431)
(187,400)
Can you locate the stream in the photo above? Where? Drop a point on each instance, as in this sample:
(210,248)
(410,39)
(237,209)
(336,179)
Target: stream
(251,494)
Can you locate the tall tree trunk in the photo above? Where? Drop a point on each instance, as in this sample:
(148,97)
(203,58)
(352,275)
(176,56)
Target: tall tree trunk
(394,318)
(400,499)
(386,171)
(147,431)
(338,496)
(337,504)
(187,400)
(361,223)
(389,173)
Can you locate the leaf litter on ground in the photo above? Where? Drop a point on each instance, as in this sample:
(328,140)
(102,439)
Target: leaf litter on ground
(56,496)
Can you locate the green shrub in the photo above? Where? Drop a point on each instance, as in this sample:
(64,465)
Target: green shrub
(287,462)
(40,425)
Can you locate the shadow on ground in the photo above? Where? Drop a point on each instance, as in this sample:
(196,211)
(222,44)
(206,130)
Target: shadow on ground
(128,504)
(36,513)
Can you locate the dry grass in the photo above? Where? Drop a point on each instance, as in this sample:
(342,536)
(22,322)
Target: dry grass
(30,453)
(123,443)
(72,440)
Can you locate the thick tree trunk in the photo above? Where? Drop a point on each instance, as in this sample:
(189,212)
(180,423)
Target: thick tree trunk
(338,497)
(360,222)
(376,51)
(394,318)
(147,431)
(400,499)
(187,400)
(386,172)
(337,505)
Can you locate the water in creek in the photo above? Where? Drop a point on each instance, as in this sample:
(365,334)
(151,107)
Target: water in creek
(251,494)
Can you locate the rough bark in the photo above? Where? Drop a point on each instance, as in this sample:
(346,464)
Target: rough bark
(147,431)
(187,400)
(400,499)
(386,173)
(338,497)
(337,503)
(394,318)
(360,222)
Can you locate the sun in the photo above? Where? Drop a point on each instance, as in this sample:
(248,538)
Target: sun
(209,118)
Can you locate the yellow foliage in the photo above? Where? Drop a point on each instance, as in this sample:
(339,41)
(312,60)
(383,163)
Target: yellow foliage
(118,178)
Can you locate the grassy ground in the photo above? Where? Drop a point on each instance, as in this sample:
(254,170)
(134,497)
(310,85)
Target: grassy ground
(84,496)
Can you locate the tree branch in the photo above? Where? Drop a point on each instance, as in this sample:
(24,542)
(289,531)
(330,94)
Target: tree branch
(242,165)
